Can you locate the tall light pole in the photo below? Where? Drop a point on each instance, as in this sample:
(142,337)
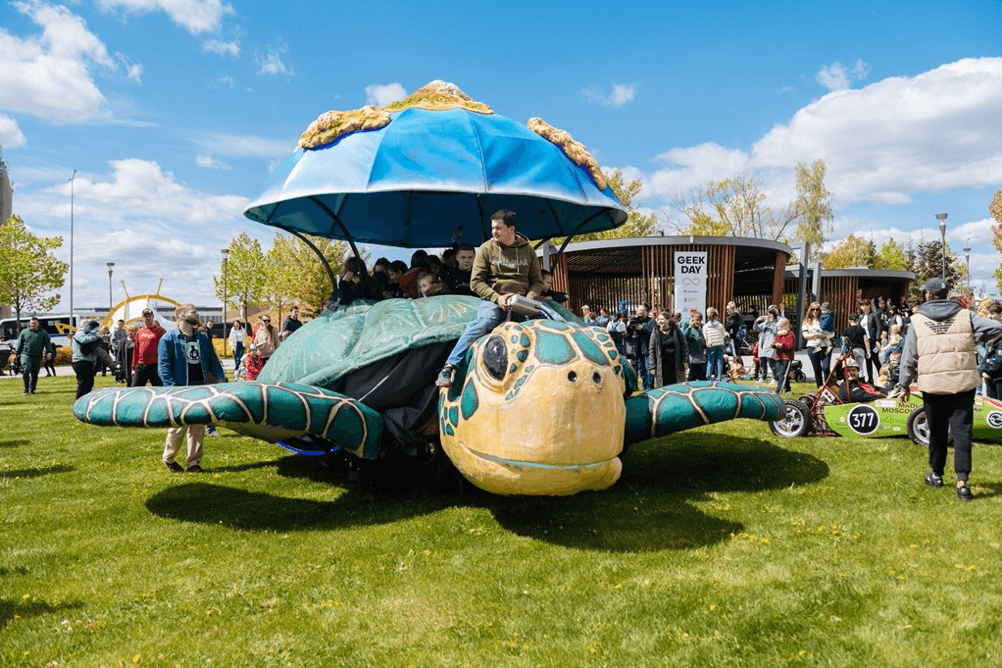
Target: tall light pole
(72,179)
(967,255)
(226,261)
(111,302)
(941,217)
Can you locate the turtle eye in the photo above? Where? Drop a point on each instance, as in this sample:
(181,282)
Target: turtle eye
(496,357)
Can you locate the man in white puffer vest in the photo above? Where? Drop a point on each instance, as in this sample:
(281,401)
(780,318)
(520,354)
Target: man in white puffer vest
(941,347)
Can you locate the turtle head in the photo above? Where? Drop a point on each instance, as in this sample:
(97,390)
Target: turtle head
(537,408)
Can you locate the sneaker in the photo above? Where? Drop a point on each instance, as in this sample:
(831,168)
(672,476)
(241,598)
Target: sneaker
(964,492)
(195,468)
(174,467)
(933,480)
(445,376)
(25,393)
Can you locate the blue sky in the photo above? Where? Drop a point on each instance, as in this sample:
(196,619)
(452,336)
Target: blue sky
(174,111)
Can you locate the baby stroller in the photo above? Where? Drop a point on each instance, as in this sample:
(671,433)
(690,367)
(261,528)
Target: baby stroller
(6,357)
(797,371)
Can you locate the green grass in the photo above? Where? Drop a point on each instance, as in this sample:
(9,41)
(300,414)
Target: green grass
(720,546)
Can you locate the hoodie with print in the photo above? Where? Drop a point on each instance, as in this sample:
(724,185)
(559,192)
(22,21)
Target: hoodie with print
(500,269)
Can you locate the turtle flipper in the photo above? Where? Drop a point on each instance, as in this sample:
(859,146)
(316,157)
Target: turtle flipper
(672,408)
(267,411)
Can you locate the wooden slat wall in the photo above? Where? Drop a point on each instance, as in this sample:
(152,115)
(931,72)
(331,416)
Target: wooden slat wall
(778,277)
(842,293)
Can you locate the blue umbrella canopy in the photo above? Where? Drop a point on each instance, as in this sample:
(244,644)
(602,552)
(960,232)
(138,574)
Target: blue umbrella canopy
(425,172)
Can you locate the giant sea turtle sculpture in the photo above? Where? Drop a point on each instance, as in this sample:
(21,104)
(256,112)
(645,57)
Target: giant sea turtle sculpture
(539,407)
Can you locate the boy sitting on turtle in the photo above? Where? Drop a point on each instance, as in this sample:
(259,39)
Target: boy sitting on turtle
(505,266)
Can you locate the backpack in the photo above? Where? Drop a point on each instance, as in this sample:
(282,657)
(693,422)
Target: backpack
(992,365)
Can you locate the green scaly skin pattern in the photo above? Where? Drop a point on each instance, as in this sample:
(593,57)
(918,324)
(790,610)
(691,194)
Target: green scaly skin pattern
(674,408)
(267,411)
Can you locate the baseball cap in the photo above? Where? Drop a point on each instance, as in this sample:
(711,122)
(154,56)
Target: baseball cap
(147,311)
(826,306)
(851,361)
(936,286)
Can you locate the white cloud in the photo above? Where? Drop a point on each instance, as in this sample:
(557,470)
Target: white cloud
(219,47)
(620,94)
(195,16)
(381,95)
(50,74)
(242,146)
(692,167)
(208,162)
(837,77)
(933,132)
(133,72)
(142,186)
(222,82)
(10,134)
(271,63)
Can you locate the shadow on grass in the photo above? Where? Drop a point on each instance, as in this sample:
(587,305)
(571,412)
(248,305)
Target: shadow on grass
(11,609)
(993,489)
(36,473)
(649,509)
(15,443)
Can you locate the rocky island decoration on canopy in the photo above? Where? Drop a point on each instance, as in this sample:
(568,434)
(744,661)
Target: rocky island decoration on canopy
(540,407)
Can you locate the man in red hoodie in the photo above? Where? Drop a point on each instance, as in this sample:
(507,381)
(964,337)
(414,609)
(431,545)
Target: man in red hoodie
(144,354)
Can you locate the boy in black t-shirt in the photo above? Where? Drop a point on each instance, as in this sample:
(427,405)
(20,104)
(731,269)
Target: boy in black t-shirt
(856,340)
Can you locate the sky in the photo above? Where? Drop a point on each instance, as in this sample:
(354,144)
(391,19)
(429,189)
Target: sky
(173,112)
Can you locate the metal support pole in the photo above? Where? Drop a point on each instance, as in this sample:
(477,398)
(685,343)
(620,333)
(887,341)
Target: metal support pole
(226,263)
(72,180)
(111,300)
(801,294)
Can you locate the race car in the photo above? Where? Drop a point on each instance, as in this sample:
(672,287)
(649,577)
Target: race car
(830,412)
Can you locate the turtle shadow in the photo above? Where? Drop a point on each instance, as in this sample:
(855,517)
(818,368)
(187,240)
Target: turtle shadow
(36,472)
(651,507)
(10,609)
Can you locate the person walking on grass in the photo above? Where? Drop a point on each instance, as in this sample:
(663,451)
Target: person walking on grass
(185,357)
(33,345)
(941,351)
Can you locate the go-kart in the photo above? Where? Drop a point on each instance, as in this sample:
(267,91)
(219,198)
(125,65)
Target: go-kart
(827,413)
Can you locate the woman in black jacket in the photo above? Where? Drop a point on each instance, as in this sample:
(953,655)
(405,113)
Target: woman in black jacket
(733,325)
(668,353)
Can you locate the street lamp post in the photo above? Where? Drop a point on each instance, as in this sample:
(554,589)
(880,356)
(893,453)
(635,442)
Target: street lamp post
(111,302)
(941,217)
(967,255)
(226,260)
(72,179)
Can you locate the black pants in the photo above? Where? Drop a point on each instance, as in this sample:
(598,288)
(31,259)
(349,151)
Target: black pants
(30,367)
(993,388)
(781,373)
(697,371)
(146,373)
(871,362)
(85,377)
(950,415)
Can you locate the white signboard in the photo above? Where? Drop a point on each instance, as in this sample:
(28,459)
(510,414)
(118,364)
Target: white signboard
(690,282)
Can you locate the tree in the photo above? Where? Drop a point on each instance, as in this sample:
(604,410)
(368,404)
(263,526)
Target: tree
(28,271)
(995,208)
(736,207)
(929,263)
(813,206)
(298,275)
(637,224)
(246,275)
(894,256)
(852,251)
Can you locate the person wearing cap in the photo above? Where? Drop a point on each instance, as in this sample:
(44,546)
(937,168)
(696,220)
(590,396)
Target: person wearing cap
(856,340)
(144,352)
(940,354)
(186,358)
(253,363)
(85,343)
(852,389)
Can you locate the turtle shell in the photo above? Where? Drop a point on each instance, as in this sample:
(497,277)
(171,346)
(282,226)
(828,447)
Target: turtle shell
(339,342)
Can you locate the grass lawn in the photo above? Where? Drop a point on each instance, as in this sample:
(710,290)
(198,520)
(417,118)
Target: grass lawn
(719,546)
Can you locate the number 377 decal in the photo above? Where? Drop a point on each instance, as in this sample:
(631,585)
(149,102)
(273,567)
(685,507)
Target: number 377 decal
(863,419)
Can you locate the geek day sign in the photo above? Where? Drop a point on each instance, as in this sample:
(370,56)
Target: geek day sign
(690,282)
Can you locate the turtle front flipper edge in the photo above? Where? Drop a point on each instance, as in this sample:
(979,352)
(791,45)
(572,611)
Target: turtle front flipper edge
(673,408)
(270,412)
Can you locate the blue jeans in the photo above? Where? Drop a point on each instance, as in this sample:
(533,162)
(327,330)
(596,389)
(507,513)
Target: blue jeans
(644,375)
(489,316)
(715,362)
(238,354)
(781,372)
